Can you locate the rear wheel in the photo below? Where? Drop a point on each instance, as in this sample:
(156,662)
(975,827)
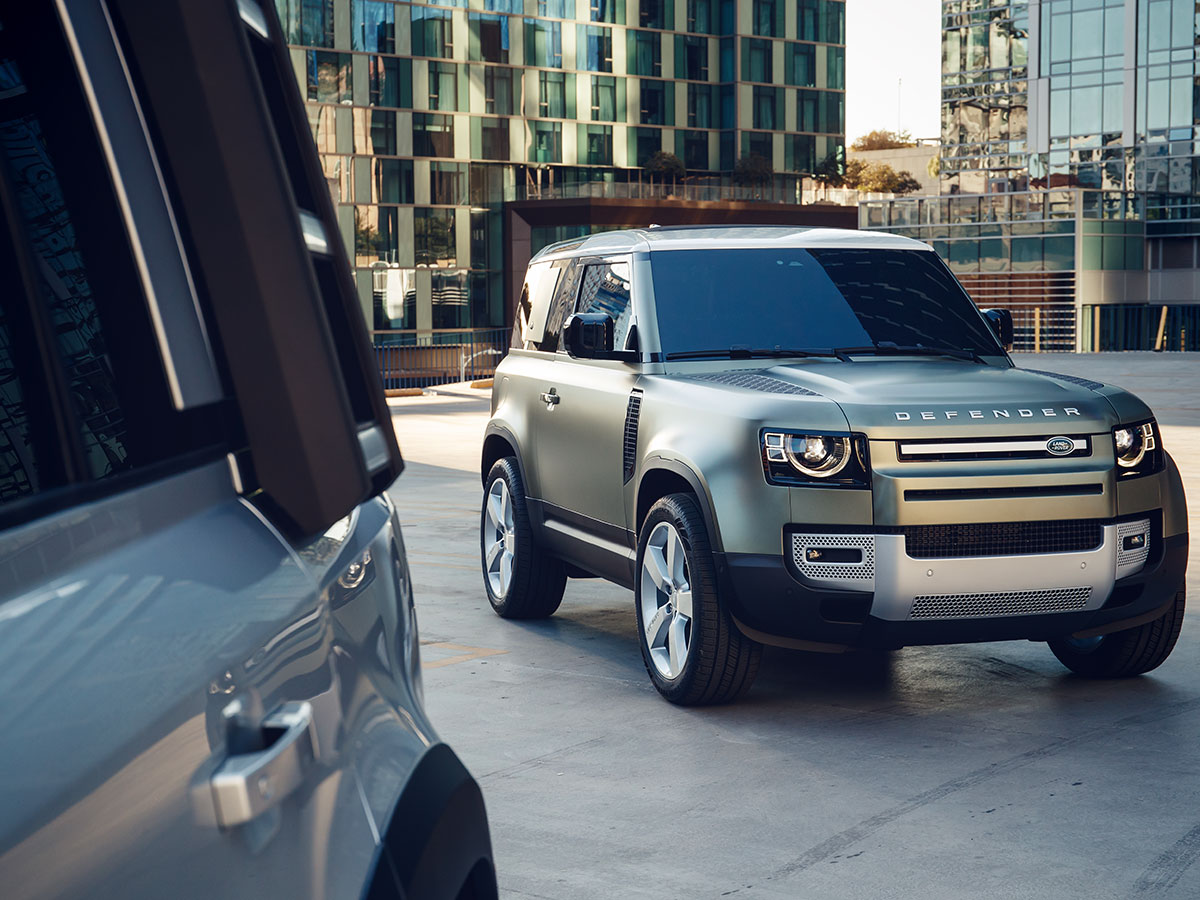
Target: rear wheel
(523,581)
(693,651)
(1123,654)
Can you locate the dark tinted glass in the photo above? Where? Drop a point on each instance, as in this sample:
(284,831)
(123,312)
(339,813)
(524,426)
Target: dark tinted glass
(63,280)
(811,299)
(18,465)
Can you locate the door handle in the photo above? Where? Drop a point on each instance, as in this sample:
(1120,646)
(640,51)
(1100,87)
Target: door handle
(550,397)
(246,785)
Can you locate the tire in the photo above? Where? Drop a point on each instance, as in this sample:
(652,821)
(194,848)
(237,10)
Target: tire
(1123,654)
(695,659)
(535,580)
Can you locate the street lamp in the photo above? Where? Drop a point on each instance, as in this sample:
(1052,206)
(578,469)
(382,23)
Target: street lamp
(462,365)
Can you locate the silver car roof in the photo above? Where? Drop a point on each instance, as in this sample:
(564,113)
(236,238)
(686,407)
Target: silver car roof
(720,237)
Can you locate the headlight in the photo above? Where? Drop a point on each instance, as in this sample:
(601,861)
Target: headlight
(1137,450)
(836,460)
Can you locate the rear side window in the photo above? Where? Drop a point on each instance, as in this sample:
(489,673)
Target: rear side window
(606,290)
(562,305)
(534,305)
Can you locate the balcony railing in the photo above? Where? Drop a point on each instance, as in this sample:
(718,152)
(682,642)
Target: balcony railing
(416,358)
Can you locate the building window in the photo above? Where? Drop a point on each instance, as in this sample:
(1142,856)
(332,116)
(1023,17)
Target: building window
(647,142)
(498,91)
(433,135)
(766,100)
(596,148)
(432,32)
(611,11)
(443,86)
(316,21)
(654,103)
(433,237)
(489,37)
(392,180)
(595,48)
(756,61)
(543,44)
(823,20)
(386,86)
(820,111)
(547,142)
(694,58)
(801,65)
(604,98)
(695,150)
(493,138)
(645,53)
(651,13)
(374,27)
(699,111)
(448,184)
(801,153)
(556,9)
(759,144)
(700,16)
(766,19)
(328,76)
(552,95)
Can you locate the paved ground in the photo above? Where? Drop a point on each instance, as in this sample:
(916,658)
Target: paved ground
(942,772)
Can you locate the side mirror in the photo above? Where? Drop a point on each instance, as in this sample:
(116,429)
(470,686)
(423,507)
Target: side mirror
(1002,324)
(589,336)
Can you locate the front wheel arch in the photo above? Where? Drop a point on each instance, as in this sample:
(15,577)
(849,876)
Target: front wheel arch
(666,476)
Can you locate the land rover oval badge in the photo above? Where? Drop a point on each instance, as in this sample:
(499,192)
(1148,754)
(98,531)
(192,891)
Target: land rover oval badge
(1060,446)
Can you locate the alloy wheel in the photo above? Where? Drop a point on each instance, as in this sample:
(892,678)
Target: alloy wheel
(499,539)
(666,600)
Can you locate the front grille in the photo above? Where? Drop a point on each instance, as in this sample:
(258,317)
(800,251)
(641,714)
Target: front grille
(1003,538)
(1000,603)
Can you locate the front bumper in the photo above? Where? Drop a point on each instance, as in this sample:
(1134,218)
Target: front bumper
(905,600)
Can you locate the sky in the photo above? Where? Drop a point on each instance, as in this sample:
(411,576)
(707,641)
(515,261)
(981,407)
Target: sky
(893,66)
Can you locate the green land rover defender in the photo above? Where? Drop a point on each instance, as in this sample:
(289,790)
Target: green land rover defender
(812,438)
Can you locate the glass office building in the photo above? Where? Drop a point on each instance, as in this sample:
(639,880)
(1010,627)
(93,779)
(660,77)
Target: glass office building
(1069,177)
(430,117)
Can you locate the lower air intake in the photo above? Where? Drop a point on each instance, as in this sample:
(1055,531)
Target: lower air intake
(1006,603)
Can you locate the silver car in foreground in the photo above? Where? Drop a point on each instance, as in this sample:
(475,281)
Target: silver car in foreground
(210,682)
(812,438)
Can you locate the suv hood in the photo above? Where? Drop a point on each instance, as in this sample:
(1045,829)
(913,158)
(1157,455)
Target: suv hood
(883,396)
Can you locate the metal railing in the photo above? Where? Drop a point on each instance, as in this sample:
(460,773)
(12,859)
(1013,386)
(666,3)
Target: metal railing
(419,358)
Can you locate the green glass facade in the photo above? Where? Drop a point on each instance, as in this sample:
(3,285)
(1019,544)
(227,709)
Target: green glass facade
(428,117)
(1069,167)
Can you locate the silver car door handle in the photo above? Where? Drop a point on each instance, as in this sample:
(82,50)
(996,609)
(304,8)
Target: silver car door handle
(550,398)
(246,785)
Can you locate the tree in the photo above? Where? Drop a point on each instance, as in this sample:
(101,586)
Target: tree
(831,171)
(665,165)
(882,139)
(753,170)
(879,177)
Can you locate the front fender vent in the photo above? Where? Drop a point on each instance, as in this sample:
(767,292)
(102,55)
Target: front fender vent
(632,413)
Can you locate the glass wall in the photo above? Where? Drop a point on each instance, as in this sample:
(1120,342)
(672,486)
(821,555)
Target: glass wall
(429,115)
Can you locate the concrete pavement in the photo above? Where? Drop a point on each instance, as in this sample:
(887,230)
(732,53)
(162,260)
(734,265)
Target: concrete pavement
(984,770)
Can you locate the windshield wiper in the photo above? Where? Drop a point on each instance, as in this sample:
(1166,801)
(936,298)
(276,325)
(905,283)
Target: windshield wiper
(888,348)
(741,352)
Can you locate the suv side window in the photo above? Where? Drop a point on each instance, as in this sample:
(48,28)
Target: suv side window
(83,391)
(606,290)
(562,305)
(534,305)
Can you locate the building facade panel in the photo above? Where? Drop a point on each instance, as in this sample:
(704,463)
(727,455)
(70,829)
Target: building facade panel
(429,117)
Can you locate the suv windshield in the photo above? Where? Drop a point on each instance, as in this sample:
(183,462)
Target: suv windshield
(821,299)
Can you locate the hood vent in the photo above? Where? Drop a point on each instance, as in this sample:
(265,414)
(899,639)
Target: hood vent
(751,381)
(1074,379)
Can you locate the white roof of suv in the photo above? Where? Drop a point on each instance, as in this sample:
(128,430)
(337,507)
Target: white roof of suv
(711,237)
